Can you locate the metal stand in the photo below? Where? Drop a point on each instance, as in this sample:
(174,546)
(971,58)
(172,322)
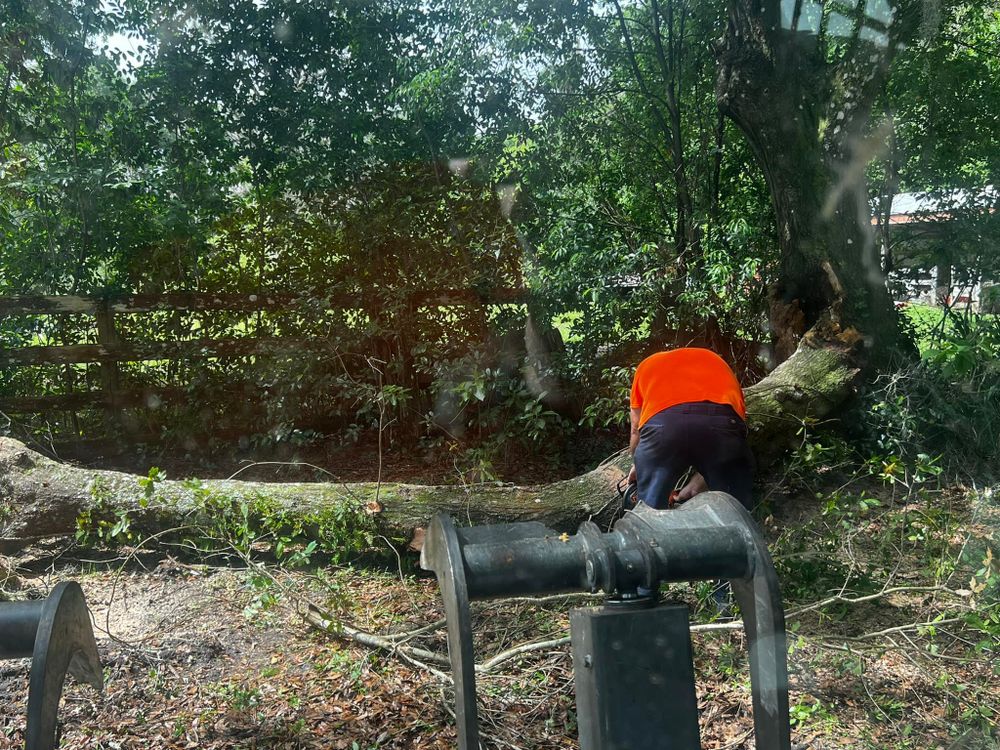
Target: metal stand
(57,634)
(709,537)
(634,677)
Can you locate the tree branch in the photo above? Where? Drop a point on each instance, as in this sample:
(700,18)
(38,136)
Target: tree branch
(857,600)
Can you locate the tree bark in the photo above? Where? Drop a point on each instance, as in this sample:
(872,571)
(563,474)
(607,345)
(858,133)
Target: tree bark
(805,112)
(41,498)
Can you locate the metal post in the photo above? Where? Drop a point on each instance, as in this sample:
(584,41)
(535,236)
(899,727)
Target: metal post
(108,338)
(634,678)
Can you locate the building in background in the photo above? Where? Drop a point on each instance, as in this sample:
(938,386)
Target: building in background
(943,248)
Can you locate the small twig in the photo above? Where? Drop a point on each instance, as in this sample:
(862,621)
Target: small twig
(348,490)
(447,709)
(114,583)
(738,742)
(319,618)
(960,698)
(411,634)
(443,676)
(858,599)
(939,656)
(381,429)
(552,597)
(612,458)
(709,627)
(958,638)
(399,567)
(976,511)
(524,648)
(864,684)
(899,629)
(281,463)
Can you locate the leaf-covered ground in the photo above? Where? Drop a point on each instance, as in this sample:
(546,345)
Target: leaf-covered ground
(198,656)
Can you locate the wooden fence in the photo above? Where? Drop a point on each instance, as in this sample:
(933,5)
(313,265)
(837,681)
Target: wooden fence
(111,349)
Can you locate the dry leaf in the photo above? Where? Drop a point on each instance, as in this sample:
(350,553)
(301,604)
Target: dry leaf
(417,542)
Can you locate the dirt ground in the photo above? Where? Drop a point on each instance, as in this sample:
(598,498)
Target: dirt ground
(186,668)
(437,463)
(205,656)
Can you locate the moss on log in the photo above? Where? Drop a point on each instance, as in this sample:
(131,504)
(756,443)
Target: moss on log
(811,384)
(44,498)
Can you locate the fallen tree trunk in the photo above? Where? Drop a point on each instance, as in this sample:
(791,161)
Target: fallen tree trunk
(41,498)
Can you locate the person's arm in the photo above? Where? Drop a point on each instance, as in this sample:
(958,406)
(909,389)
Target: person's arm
(695,486)
(635,413)
(633,440)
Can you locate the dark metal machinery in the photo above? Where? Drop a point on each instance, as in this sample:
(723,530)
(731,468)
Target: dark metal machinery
(632,658)
(57,634)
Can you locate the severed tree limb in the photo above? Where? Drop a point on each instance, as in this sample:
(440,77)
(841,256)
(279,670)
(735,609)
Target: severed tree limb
(322,620)
(41,498)
(428,660)
(898,629)
(411,634)
(524,648)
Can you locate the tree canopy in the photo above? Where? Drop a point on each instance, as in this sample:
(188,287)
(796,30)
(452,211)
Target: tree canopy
(646,170)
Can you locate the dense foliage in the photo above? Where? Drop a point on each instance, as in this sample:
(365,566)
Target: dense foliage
(352,155)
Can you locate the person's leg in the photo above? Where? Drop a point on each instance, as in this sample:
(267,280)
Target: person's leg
(660,461)
(722,455)
(661,458)
(722,597)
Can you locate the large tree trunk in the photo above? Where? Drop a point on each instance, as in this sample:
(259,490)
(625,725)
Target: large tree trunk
(804,106)
(40,497)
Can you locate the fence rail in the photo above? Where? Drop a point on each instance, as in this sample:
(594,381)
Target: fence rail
(146,351)
(197,301)
(111,349)
(130,399)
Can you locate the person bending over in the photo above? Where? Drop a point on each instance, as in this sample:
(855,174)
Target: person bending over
(687,410)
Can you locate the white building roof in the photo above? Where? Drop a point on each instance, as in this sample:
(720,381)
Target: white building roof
(907,207)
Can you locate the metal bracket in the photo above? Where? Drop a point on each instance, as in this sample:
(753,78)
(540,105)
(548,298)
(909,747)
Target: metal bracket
(711,536)
(445,558)
(56,632)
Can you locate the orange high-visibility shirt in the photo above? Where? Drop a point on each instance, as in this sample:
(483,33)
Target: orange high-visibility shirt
(682,376)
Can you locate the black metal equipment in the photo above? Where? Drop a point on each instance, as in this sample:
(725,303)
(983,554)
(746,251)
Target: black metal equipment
(632,658)
(57,634)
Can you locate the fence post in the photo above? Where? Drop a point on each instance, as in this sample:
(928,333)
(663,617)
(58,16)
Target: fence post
(108,338)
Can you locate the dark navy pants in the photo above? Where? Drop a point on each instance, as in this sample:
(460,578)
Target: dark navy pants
(710,437)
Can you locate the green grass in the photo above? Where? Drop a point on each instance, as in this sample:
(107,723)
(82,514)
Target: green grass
(927,323)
